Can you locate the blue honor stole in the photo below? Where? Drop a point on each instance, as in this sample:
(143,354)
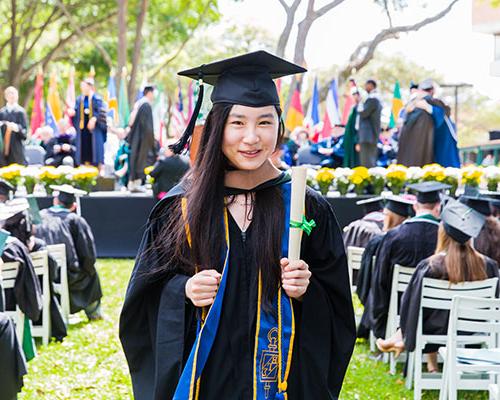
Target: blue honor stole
(273,337)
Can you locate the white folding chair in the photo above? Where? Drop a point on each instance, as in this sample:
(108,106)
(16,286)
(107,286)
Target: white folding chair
(481,319)
(41,264)
(58,251)
(354,255)
(438,294)
(8,275)
(400,278)
(373,345)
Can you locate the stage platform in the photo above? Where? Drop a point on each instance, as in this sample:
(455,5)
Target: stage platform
(118,219)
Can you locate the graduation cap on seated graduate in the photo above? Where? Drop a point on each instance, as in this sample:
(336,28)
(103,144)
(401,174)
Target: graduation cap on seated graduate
(372,204)
(67,194)
(6,188)
(429,192)
(399,205)
(481,204)
(244,80)
(461,222)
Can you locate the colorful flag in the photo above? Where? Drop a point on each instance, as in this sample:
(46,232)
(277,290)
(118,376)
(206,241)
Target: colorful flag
(397,105)
(49,118)
(295,115)
(123,108)
(312,119)
(349,101)
(37,113)
(53,98)
(332,115)
(70,95)
(280,92)
(112,100)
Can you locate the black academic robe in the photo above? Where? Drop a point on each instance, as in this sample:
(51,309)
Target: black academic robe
(406,245)
(168,172)
(62,226)
(358,233)
(141,141)
(434,322)
(27,293)
(158,324)
(16,149)
(12,361)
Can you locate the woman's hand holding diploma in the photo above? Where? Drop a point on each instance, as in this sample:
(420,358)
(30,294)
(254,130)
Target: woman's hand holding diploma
(202,287)
(295,277)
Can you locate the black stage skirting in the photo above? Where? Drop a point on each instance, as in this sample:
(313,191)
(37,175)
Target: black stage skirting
(118,222)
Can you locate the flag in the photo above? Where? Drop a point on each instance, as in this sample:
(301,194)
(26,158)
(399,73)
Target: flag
(349,101)
(123,108)
(295,115)
(53,98)
(112,100)
(312,119)
(178,120)
(397,105)
(70,94)
(280,91)
(37,113)
(49,118)
(332,115)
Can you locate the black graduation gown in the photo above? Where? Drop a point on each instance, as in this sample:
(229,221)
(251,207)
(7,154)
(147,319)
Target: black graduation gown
(27,293)
(12,361)
(168,172)
(358,233)
(141,140)
(16,152)
(435,322)
(363,284)
(406,245)
(158,325)
(63,226)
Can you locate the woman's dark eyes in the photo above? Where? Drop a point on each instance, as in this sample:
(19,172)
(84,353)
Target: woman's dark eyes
(265,123)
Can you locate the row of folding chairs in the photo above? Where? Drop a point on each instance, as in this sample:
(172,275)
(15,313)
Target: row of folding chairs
(41,265)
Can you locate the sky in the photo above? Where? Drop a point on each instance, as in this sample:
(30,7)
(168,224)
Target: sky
(448,46)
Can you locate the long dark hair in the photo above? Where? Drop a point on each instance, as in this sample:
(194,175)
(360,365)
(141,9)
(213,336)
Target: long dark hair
(204,191)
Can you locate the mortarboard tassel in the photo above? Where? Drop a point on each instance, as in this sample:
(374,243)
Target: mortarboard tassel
(178,147)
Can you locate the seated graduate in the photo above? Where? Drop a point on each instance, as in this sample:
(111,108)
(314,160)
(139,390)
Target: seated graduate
(487,242)
(6,191)
(20,226)
(454,260)
(61,149)
(168,171)
(406,245)
(397,209)
(219,241)
(61,224)
(358,233)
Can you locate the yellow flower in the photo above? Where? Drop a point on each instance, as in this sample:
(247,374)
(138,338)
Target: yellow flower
(148,170)
(325,175)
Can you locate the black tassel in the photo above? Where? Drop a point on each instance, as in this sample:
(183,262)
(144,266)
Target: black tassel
(181,144)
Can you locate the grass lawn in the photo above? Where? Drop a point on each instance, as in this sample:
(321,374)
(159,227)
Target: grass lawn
(89,364)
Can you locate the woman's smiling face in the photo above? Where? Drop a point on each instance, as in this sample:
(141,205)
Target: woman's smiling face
(250,136)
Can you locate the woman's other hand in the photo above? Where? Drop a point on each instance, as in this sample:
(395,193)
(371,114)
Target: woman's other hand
(202,287)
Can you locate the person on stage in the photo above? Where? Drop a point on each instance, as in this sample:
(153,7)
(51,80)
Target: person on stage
(141,139)
(61,224)
(214,309)
(89,120)
(14,129)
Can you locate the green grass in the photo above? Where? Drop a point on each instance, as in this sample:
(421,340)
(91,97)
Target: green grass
(89,364)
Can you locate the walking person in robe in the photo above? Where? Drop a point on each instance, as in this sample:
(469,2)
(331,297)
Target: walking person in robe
(218,242)
(14,129)
(141,139)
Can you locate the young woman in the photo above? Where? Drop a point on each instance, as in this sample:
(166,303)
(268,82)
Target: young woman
(455,260)
(214,309)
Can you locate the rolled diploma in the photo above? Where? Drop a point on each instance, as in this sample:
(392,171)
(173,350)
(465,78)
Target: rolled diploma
(297,204)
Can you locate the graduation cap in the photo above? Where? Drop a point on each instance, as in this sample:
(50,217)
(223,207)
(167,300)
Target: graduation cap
(13,207)
(461,222)
(5,188)
(245,80)
(67,193)
(480,204)
(399,205)
(371,205)
(428,192)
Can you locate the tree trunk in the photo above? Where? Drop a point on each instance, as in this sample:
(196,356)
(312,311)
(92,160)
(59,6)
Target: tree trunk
(137,51)
(285,34)
(122,39)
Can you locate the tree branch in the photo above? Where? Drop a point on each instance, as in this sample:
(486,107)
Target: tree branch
(41,30)
(285,34)
(327,7)
(388,13)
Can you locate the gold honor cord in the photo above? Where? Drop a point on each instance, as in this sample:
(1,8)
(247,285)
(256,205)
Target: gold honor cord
(82,117)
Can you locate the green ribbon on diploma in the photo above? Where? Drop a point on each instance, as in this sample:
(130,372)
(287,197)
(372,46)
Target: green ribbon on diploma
(305,225)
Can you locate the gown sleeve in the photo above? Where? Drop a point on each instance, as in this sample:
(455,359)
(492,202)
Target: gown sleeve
(84,243)
(325,317)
